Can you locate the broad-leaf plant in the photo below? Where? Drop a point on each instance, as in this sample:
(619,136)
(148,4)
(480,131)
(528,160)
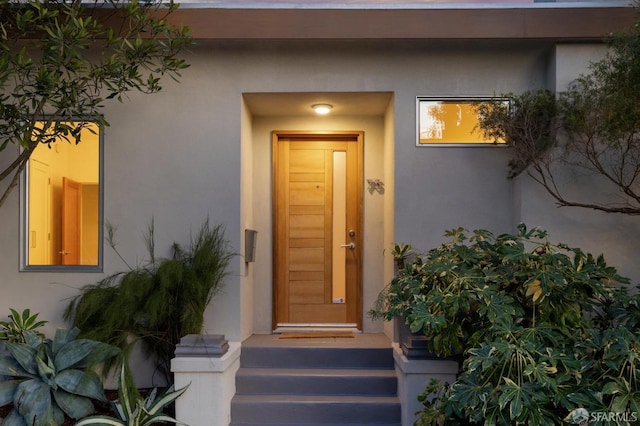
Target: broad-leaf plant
(19,325)
(542,330)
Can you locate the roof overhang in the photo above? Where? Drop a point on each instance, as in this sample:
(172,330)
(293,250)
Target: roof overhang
(550,21)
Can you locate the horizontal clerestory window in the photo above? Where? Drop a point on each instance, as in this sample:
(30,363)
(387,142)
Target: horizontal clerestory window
(450,122)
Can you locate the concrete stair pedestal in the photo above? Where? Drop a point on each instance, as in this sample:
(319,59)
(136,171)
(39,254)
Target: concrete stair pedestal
(413,377)
(208,367)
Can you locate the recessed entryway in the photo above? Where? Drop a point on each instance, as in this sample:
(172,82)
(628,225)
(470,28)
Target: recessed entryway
(366,114)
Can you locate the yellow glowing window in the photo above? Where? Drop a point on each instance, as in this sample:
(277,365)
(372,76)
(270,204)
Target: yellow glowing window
(450,122)
(62,201)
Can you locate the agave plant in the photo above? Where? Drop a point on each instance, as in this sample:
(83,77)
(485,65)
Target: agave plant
(18,325)
(51,379)
(133,410)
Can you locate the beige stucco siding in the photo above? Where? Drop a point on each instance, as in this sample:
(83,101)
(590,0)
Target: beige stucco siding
(198,149)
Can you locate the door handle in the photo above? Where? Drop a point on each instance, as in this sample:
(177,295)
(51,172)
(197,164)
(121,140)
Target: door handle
(349,246)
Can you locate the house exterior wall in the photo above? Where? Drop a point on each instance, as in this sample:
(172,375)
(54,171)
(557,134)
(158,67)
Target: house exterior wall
(439,188)
(614,235)
(247,273)
(196,150)
(421,174)
(389,201)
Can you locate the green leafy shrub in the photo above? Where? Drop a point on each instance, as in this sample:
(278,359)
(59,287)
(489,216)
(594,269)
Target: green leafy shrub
(544,329)
(19,325)
(134,410)
(401,252)
(48,380)
(398,297)
(158,303)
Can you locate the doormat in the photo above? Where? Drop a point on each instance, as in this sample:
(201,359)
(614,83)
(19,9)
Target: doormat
(316,334)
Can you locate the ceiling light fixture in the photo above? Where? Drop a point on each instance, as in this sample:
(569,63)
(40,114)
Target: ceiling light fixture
(322,109)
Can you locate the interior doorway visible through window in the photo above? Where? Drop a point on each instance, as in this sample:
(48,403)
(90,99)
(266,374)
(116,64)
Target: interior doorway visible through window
(62,202)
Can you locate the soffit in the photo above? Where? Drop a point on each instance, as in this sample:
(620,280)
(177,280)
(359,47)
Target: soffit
(299,104)
(251,20)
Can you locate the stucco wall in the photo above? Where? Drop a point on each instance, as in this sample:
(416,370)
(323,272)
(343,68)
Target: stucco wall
(196,150)
(439,188)
(247,271)
(614,235)
(389,170)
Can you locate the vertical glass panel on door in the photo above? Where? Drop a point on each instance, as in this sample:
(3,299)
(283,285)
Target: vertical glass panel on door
(62,202)
(339,252)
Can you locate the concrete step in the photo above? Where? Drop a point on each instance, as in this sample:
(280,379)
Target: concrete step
(316,382)
(312,357)
(265,381)
(315,424)
(314,409)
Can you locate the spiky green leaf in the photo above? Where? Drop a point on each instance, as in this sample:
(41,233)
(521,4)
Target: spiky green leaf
(7,390)
(74,406)
(9,366)
(62,337)
(84,383)
(14,418)
(73,353)
(126,401)
(161,419)
(165,399)
(25,355)
(100,421)
(46,369)
(33,402)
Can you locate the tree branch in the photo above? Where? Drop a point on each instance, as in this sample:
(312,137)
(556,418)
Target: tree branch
(548,183)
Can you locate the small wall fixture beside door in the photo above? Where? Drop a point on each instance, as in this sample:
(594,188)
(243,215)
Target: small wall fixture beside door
(250,239)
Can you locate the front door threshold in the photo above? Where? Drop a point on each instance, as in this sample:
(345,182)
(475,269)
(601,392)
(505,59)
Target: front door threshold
(314,327)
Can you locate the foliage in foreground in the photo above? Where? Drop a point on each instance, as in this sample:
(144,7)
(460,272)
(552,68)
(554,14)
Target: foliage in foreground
(19,325)
(48,380)
(157,303)
(542,329)
(61,61)
(134,410)
(591,129)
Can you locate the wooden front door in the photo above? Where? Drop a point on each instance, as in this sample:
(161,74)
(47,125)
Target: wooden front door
(317,229)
